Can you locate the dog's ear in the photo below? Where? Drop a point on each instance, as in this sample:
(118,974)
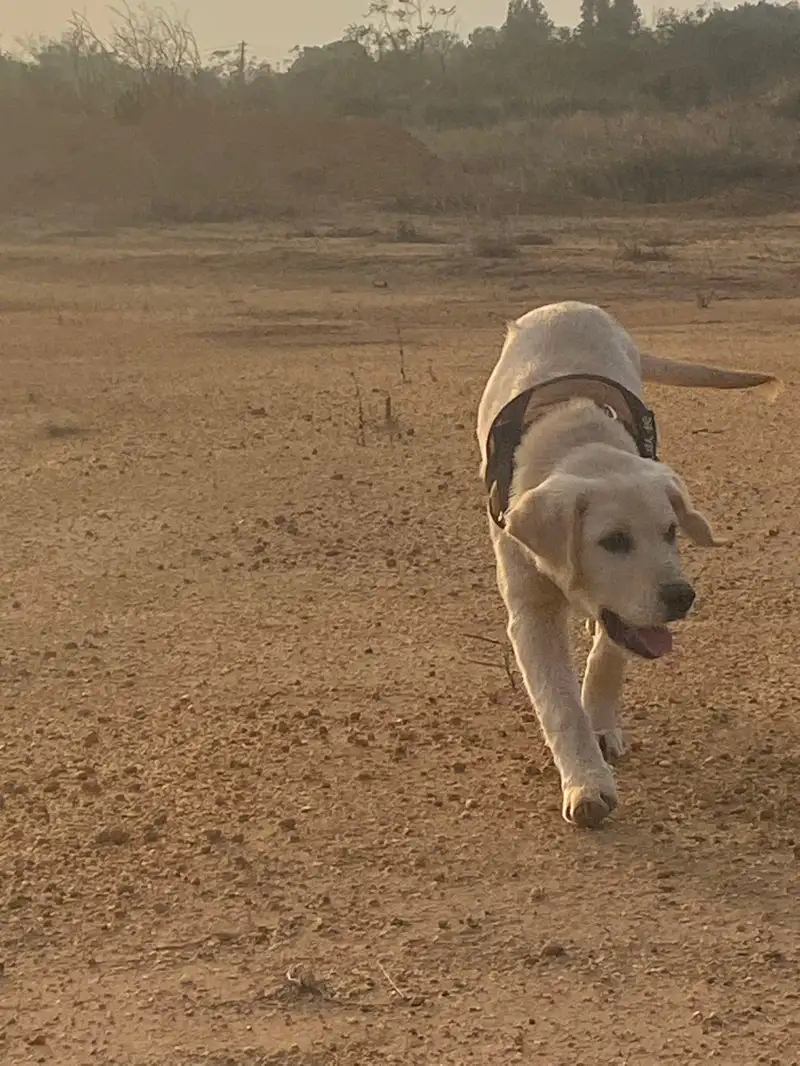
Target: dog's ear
(693,523)
(548,521)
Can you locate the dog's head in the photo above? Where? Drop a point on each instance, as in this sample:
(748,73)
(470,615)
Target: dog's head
(610,544)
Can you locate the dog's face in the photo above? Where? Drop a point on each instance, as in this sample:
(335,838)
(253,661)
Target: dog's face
(610,544)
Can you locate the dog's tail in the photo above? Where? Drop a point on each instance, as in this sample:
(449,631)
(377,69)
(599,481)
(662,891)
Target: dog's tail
(699,376)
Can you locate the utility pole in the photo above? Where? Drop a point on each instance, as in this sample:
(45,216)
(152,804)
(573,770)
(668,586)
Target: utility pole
(240,66)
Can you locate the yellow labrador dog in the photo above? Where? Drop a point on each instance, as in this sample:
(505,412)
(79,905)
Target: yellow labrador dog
(583,516)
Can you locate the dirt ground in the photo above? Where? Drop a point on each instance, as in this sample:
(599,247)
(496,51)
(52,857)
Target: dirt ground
(267,792)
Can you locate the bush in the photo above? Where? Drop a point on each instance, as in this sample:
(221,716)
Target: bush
(636,158)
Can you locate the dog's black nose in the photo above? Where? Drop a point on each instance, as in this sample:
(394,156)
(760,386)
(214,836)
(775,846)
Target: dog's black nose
(677,597)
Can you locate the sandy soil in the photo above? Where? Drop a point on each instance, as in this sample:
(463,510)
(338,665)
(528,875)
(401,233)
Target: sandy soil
(267,792)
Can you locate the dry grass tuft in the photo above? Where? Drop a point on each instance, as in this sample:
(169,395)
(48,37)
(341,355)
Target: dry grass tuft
(408,233)
(532,239)
(302,983)
(500,246)
(634,252)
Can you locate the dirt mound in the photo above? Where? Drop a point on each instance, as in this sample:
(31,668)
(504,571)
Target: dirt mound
(202,162)
(54,160)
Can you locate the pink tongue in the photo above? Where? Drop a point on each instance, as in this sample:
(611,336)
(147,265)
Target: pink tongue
(657,640)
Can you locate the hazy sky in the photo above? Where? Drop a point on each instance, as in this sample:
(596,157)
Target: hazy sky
(271,27)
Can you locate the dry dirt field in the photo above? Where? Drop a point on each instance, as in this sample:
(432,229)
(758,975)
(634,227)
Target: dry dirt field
(267,792)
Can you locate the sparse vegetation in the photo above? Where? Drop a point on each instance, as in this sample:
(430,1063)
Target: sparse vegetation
(534,240)
(303,983)
(499,246)
(634,252)
(409,233)
(695,106)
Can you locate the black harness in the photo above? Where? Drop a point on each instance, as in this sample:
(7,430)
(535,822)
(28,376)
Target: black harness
(520,413)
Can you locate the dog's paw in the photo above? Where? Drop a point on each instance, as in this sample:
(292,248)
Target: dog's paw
(589,803)
(612,744)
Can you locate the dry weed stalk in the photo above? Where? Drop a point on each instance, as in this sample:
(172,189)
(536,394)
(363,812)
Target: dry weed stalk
(361,437)
(303,982)
(401,353)
(508,658)
(390,422)
(392,983)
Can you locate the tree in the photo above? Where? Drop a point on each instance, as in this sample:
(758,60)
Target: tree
(327,56)
(624,18)
(609,19)
(405,62)
(528,23)
(156,43)
(407,26)
(79,69)
(338,78)
(485,38)
(588,19)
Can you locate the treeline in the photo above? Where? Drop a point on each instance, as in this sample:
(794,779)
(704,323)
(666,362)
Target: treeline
(406,63)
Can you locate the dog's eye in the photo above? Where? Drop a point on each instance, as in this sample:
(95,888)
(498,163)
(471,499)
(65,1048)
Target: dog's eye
(619,543)
(671,534)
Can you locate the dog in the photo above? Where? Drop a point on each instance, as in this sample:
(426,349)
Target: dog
(584,517)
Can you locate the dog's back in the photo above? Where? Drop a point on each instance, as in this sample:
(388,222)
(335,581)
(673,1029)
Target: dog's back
(554,340)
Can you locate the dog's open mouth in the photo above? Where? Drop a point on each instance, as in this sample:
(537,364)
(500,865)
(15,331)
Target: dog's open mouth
(650,642)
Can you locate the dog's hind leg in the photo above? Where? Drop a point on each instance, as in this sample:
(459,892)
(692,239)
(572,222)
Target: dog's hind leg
(601,694)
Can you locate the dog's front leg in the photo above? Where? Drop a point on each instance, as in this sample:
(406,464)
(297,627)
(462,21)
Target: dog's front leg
(537,628)
(601,694)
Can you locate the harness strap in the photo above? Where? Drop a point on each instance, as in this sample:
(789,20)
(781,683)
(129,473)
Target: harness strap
(526,408)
